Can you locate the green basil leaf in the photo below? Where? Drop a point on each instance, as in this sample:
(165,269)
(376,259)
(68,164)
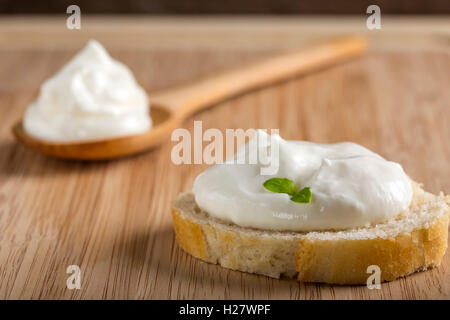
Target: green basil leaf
(281,185)
(303,196)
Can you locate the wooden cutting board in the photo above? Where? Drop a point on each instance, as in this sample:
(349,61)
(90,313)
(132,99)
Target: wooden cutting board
(112,218)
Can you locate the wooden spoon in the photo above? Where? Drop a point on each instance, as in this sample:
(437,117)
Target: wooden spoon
(170,107)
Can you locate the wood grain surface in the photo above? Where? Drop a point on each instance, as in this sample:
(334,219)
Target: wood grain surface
(112,218)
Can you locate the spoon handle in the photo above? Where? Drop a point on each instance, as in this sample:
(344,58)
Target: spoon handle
(190,98)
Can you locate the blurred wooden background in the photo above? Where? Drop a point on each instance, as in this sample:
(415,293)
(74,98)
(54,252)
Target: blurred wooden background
(285,7)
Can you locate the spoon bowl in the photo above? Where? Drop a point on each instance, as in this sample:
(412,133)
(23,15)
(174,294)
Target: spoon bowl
(170,107)
(101,149)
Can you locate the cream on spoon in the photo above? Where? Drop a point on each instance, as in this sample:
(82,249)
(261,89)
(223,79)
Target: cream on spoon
(92,97)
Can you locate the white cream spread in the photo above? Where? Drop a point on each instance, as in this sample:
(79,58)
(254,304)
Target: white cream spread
(91,97)
(351,186)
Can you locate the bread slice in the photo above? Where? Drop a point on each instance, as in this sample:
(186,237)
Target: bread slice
(412,242)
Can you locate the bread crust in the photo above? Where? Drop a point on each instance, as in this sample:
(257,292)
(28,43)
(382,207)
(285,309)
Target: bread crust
(310,258)
(346,261)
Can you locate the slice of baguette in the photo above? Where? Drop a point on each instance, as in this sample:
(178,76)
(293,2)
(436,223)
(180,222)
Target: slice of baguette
(412,242)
